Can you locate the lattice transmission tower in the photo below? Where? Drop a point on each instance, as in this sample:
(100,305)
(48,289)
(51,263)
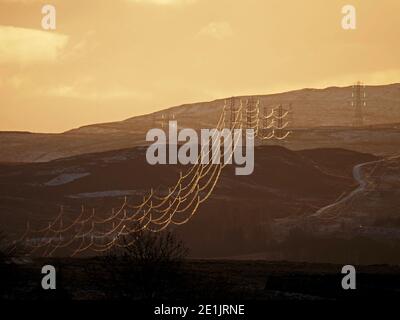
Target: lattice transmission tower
(251,113)
(166,118)
(280,130)
(359,103)
(232,108)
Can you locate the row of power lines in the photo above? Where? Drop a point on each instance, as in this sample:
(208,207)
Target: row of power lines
(268,123)
(275,119)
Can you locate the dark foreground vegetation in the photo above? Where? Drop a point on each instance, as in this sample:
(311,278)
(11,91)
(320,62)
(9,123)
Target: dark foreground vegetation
(153,267)
(198,280)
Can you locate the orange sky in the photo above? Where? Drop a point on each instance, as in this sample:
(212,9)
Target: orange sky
(110,60)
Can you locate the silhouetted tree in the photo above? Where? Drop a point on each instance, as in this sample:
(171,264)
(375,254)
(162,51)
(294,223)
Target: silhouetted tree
(148,264)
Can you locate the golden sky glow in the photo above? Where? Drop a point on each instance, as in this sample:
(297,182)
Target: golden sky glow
(110,60)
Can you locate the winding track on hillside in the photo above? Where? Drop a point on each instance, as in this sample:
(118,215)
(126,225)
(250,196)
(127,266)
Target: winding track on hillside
(359,177)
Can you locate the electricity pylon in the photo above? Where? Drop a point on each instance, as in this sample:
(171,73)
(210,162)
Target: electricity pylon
(277,122)
(282,123)
(250,115)
(166,118)
(359,102)
(232,108)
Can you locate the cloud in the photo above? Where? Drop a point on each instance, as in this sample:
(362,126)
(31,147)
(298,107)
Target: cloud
(23,46)
(164,2)
(217,30)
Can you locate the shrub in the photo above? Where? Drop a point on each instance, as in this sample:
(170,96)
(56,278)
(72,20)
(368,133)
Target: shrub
(148,264)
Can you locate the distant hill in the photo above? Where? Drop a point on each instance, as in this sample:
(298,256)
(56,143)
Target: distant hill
(312,109)
(238,216)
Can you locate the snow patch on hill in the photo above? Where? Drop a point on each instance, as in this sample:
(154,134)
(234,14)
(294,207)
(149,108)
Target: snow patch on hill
(109,193)
(65,178)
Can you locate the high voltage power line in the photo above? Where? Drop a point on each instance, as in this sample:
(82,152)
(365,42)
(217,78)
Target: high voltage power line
(154,214)
(90,232)
(276,123)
